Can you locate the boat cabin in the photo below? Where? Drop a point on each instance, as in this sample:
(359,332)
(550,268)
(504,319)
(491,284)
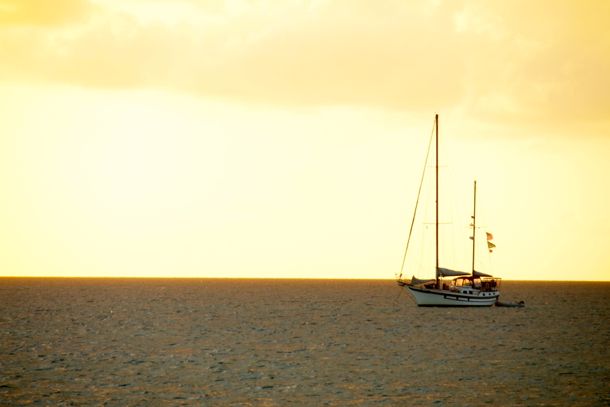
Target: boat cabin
(469,283)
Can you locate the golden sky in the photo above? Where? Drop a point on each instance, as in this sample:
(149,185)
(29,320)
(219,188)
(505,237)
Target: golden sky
(236,138)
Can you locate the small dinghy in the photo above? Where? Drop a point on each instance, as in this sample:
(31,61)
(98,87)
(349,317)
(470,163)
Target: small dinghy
(519,304)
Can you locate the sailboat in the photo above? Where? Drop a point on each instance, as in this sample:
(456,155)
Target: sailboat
(452,288)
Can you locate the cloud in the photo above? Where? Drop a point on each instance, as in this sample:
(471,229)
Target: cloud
(541,59)
(518,59)
(42,12)
(336,55)
(339,53)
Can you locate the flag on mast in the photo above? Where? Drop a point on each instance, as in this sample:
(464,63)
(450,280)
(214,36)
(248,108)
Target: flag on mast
(490,245)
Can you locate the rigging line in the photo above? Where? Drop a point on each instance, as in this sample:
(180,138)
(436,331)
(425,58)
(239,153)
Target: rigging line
(421,183)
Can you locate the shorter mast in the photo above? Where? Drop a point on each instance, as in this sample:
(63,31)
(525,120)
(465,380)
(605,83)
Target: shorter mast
(438,284)
(474,224)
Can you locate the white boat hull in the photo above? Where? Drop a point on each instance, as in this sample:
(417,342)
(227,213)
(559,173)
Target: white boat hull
(425,297)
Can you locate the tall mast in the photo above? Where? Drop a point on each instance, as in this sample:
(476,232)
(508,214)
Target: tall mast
(474,223)
(436,165)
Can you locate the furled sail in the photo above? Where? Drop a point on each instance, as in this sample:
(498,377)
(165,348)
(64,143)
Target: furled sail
(479,274)
(418,281)
(451,273)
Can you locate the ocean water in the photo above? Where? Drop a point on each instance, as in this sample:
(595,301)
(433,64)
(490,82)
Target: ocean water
(298,342)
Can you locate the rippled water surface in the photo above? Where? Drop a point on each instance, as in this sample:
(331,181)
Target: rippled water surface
(304,342)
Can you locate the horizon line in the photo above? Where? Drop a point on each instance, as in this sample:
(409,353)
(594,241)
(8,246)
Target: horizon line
(266,278)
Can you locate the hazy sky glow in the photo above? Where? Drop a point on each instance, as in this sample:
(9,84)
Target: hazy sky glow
(285,138)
